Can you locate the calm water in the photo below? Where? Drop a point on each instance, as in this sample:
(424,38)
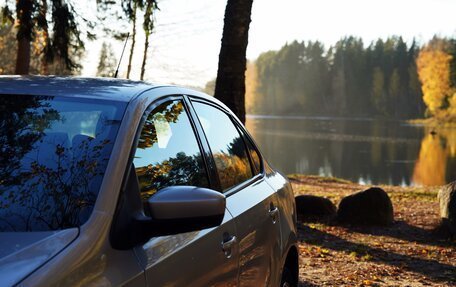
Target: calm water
(361,150)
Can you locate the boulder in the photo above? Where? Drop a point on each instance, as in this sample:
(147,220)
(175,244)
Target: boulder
(314,207)
(447,202)
(369,207)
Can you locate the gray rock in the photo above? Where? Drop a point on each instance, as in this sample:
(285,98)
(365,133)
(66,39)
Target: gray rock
(447,201)
(369,207)
(314,207)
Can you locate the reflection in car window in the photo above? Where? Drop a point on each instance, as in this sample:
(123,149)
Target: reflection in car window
(227,146)
(254,155)
(168,152)
(53,155)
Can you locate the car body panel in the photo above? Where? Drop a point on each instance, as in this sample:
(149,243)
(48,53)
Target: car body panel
(23,252)
(188,259)
(285,197)
(96,88)
(258,233)
(90,260)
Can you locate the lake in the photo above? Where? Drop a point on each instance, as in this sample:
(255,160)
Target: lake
(367,151)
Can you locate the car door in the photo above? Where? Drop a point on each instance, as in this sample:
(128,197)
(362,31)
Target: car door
(250,200)
(168,153)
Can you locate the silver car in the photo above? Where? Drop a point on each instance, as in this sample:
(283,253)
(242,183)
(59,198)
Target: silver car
(112,182)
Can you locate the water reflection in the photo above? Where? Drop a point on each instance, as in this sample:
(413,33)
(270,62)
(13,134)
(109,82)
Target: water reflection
(362,150)
(435,164)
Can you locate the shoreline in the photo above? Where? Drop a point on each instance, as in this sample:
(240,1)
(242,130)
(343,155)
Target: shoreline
(435,122)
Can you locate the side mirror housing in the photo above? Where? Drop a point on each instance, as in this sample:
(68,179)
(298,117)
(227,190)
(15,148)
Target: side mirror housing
(179,202)
(179,209)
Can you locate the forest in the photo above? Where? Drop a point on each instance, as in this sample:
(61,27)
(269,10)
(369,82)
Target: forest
(388,78)
(49,37)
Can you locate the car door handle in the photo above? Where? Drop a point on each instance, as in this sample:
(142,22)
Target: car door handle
(227,245)
(273,211)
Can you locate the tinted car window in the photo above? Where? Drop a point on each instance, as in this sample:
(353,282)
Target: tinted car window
(227,146)
(254,155)
(168,153)
(53,155)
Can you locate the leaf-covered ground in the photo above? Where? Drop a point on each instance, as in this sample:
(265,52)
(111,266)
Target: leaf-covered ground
(408,253)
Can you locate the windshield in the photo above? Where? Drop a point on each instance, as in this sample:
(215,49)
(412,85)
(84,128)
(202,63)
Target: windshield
(53,155)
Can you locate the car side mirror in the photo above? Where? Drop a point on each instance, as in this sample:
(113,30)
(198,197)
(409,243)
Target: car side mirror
(179,209)
(172,210)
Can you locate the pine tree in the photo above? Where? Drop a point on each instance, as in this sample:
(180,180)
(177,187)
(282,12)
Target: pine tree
(107,63)
(62,48)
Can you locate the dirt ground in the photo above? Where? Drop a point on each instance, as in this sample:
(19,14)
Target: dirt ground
(408,253)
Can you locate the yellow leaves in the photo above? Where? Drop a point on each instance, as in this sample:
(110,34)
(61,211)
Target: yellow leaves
(323,252)
(433,66)
(232,169)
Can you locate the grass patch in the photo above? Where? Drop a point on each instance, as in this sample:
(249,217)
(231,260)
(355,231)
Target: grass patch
(322,179)
(428,196)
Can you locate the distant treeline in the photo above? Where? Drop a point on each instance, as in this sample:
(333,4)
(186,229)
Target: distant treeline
(348,79)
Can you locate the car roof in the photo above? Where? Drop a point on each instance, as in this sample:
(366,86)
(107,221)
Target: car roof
(97,88)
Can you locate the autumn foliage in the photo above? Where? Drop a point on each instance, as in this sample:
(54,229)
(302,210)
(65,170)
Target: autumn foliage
(433,64)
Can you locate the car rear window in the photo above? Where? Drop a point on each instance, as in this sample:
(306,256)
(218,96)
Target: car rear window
(53,155)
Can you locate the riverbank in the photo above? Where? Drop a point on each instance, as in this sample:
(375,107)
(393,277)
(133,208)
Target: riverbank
(408,253)
(444,121)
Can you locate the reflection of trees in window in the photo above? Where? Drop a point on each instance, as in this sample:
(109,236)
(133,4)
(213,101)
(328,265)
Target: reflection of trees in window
(170,111)
(22,123)
(237,147)
(255,159)
(46,183)
(178,170)
(56,194)
(233,167)
(256,162)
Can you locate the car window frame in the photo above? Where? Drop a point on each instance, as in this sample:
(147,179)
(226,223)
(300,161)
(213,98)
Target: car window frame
(151,108)
(258,175)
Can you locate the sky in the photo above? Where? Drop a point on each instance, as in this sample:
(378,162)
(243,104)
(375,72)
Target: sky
(186,42)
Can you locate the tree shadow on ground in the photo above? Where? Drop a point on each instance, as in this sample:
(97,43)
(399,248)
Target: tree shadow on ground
(432,269)
(404,231)
(306,284)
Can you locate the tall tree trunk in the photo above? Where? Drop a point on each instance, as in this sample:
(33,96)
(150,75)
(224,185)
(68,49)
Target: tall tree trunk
(133,39)
(24,10)
(23,57)
(230,83)
(46,40)
(146,48)
(148,26)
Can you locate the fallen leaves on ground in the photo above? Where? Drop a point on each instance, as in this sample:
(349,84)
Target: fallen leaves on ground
(408,253)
